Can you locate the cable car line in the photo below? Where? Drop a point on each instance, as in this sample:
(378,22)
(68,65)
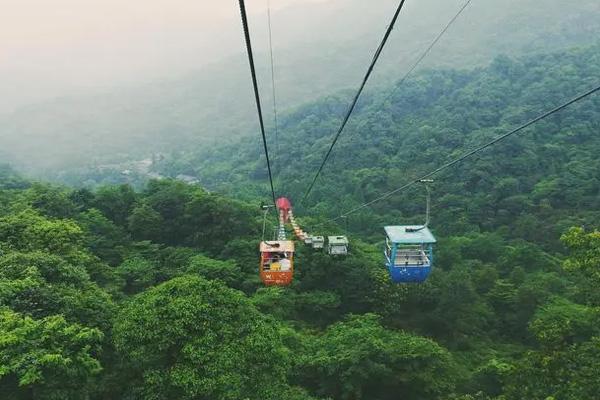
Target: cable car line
(471,152)
(428,50)
(276,267)
(273,80)
(409,249)
(356,97)
(421,58)
(264,227)
(256,92)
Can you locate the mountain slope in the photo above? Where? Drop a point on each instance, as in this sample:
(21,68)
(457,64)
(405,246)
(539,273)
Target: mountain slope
(316,53)
(549,170)
(156,293)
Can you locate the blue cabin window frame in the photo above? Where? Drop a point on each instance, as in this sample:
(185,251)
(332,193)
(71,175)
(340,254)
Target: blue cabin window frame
(407,273)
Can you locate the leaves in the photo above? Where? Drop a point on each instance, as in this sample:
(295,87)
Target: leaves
(359,358)
(191,338)
(50,357)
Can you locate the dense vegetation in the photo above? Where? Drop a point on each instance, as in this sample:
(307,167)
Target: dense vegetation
(117,294)
(533,186)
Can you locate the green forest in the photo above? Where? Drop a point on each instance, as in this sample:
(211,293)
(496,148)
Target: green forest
(546,178)
(151,291)
(154,295)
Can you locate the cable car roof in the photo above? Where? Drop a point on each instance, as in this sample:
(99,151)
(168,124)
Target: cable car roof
(338,240)
(399,234)
(277,246)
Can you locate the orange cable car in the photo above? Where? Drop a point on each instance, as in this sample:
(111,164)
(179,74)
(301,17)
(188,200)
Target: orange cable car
(277,262)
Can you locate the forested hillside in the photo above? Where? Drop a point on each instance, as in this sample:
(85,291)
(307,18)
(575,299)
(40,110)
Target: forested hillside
(319,49)
(117,294)
(112,292)
(533,186)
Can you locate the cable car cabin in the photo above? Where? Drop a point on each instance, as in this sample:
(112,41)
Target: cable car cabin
(337,245)
(277,262)
(318,242)
(409,253)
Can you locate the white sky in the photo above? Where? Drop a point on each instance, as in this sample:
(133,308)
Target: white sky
(54,47)
(69,22)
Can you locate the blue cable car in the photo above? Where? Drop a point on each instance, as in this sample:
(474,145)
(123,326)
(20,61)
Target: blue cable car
(409,253)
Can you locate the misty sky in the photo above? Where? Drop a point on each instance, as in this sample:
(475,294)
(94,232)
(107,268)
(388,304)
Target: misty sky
(54,47)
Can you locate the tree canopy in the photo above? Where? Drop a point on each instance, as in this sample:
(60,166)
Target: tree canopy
(152,292)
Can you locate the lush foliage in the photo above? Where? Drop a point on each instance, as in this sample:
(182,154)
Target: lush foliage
(47,358)
(184,317)
(533,186)
(190,338)
(153,294)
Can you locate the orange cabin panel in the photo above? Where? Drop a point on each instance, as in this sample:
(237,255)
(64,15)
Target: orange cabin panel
(277,263)
(270,278)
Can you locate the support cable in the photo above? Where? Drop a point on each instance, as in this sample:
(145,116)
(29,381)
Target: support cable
(428,50)
(356,97)
(256,92)
(273,81)
(472,152)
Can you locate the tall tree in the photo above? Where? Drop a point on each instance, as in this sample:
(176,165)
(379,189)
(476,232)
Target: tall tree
(190,338)
(360,359)
(47,359)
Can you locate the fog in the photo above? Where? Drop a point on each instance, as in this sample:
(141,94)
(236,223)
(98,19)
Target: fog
(88,83)
(59,47)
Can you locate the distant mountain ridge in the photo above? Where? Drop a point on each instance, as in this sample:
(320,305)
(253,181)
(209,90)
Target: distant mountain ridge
(216,102)
(549,170)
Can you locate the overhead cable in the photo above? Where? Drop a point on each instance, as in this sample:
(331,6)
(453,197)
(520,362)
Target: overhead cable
(472,152)
(256,92)
(428,49)
(357,96)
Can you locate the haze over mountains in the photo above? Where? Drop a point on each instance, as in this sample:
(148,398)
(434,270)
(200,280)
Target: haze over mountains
(130,249)
(320,48)
(52,49)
